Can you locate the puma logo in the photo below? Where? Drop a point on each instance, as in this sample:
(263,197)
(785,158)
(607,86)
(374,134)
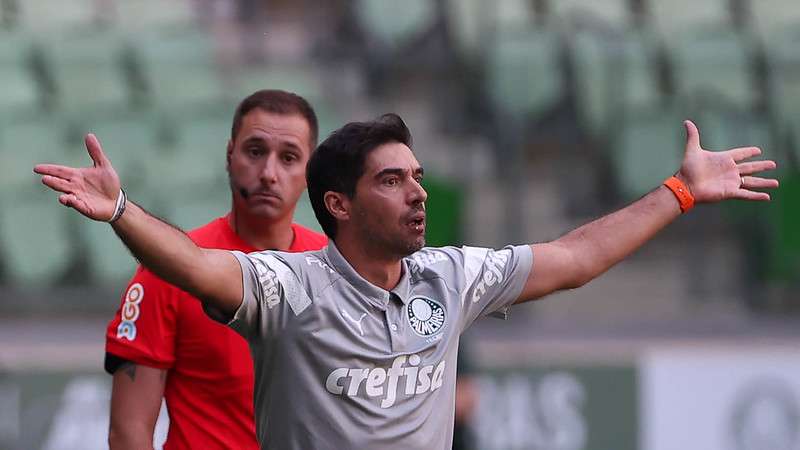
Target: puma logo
(347,316)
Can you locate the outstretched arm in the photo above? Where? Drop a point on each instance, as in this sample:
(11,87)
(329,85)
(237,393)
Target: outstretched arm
(585,253)
(213,276)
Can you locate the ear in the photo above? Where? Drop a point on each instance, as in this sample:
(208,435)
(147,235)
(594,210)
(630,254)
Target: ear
(229,152)
(338,205)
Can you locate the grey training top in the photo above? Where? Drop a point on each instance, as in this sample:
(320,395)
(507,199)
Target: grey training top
(342,364)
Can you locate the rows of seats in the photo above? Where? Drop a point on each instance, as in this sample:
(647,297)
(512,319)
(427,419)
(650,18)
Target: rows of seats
(608,56)
(145,77)
(41,243)
(72,72)
(151,81)
(631,70)
(173,166)
(612,58)
(46,16)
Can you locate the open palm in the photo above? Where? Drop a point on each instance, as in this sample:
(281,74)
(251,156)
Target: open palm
(717,176)
(92,191)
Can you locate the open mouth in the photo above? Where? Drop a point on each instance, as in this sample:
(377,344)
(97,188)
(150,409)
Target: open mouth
(417,223)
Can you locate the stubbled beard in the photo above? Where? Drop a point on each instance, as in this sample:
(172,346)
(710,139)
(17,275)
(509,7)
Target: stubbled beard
(398,247)
(415,246)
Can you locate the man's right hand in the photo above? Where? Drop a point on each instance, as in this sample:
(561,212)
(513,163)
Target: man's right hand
(213,276)
(92,191)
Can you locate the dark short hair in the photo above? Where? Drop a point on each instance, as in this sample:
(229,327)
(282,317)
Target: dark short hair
(338,162)
(278,102)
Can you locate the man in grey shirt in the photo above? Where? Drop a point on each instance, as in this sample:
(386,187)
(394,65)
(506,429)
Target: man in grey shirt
(355,345)
(341,363)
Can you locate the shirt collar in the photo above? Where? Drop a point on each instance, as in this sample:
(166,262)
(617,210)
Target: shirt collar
(364,287)
(403,288)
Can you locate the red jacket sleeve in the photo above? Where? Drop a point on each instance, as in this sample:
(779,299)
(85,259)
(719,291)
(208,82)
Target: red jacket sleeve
(143,329)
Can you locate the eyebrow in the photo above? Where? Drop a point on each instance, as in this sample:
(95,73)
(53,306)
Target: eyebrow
(399,172)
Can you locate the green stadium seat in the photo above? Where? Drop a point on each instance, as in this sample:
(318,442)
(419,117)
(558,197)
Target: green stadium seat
(196,158)
(179,68)
(395,23)
(109,262)
(677,16)
(611,12)
(24,144)
(47,16)
(89,71)
(638,84)
(712,64)
(595,76)
(724,128)
(469,22)
(148,15)
(523,76)
(189,208)
(328,119)
(512,14)
(613,73)
(130,142)
(9,14)
(35,238)
(775,16)
(647,148)
(299,80)
(18,88)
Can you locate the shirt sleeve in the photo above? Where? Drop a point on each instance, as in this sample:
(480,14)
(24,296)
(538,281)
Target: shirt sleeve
(271,291)
(493,280)
(143,328)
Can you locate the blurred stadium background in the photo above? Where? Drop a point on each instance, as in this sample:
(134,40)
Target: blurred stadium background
(532,116)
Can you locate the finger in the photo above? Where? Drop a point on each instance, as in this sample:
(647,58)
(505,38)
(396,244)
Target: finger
(744,194)
(57,184)
(67,199)
(72,201)
(748,168)
(692,135)
(741,153)
(95,150)
(759,183)
(55,170)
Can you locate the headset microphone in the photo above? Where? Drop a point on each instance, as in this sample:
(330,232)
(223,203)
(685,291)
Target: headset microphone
(235,186)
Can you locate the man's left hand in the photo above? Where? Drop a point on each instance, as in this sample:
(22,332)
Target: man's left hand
(717,176)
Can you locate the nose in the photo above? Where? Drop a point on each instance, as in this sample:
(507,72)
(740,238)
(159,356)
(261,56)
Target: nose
(269,173)
(418,194)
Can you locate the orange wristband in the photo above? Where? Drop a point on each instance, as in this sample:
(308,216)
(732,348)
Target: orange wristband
(681,192)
